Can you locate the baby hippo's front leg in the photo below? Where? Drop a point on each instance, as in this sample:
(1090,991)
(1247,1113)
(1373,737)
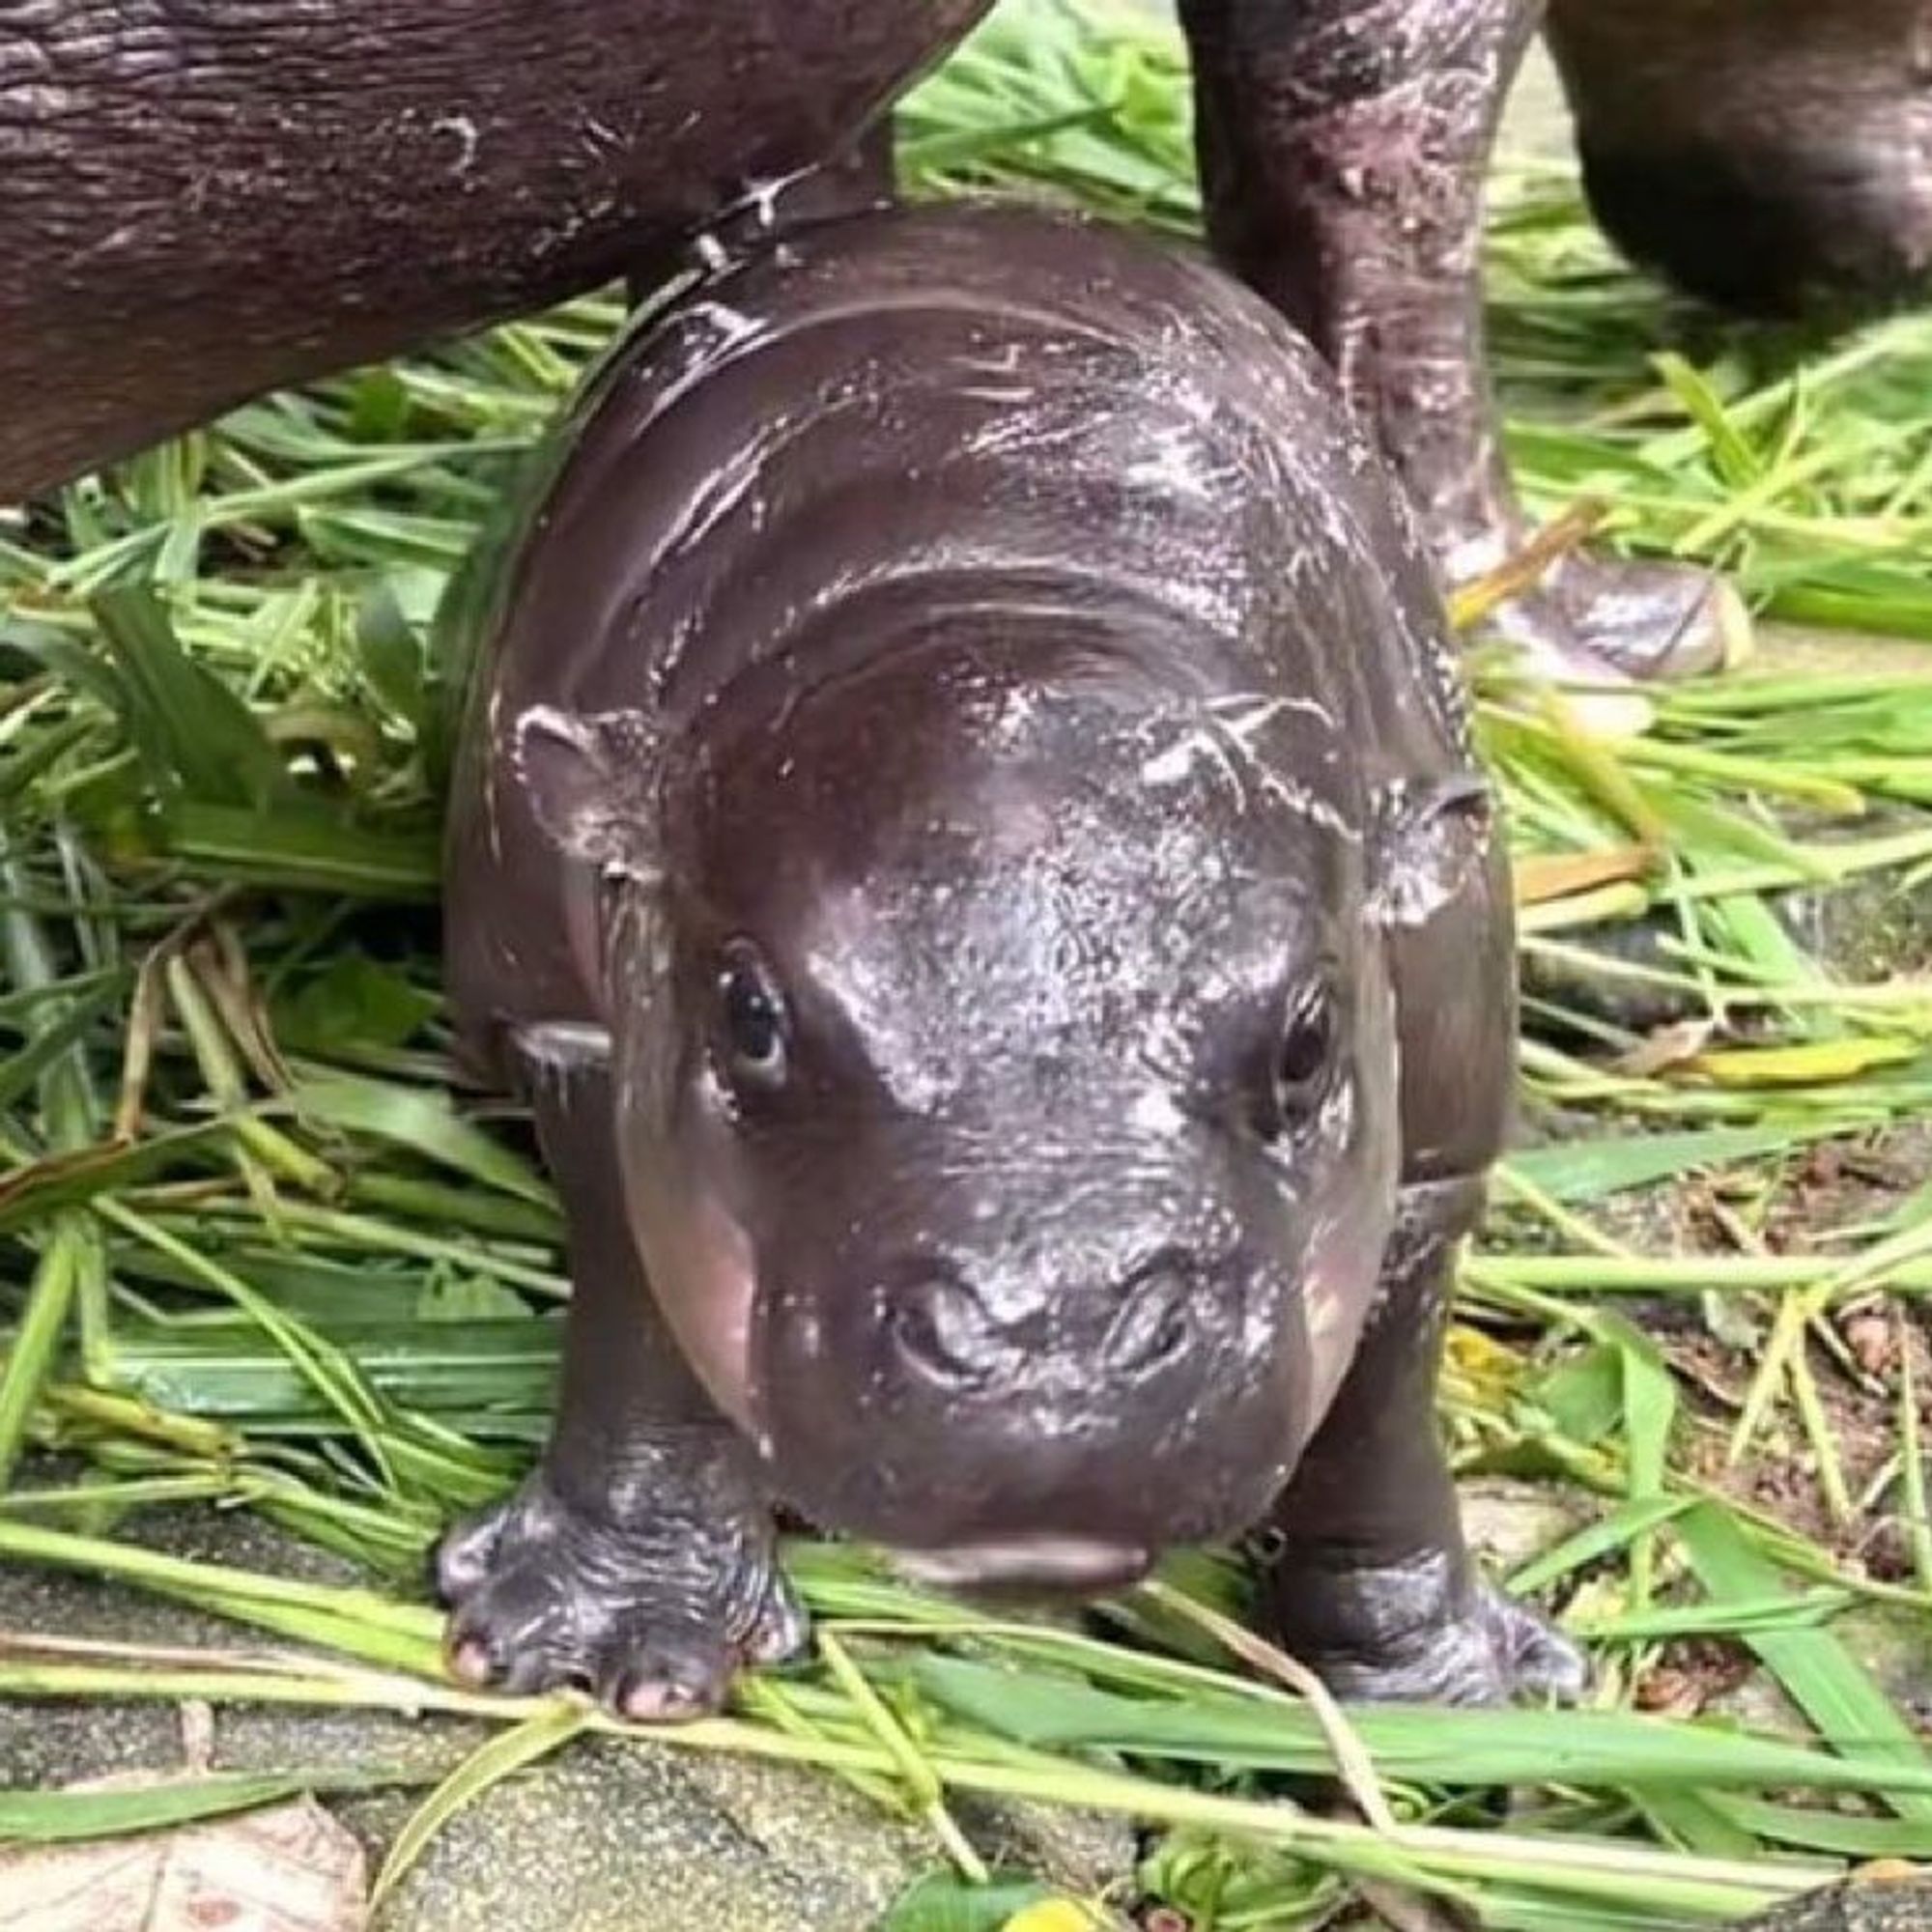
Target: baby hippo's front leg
(1371,1584)
(637,1562)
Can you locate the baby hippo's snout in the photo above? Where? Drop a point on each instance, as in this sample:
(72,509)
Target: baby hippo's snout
(1005,1422)
(944,1327)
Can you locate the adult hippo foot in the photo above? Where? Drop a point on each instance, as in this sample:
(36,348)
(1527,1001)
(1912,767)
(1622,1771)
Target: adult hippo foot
(1653,620)
(1403,1633)
(1606,621)
(1604,627)
(652,1608)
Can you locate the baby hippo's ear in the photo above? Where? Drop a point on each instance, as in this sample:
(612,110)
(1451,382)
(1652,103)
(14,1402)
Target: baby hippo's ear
(1433,841)
(589,777)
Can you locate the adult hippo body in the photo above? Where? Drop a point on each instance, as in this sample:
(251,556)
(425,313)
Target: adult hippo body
(204,199)
(966,834)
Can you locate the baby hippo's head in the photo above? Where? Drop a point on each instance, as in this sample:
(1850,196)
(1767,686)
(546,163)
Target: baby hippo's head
(1006,1089)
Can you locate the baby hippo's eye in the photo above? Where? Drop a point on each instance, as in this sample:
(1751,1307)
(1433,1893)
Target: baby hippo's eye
(750,1021)
(1303,1057)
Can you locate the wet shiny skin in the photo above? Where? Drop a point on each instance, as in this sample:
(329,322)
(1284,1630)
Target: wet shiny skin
(1019,1209)
(964,713)
(1041,838)
(392,171)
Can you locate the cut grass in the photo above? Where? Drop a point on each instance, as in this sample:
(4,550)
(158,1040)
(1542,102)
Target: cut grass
(251,1253)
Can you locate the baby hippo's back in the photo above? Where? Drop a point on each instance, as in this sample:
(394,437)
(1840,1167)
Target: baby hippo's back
(835,447)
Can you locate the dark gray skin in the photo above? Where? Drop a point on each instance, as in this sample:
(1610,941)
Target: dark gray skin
(965,832)
(208,198)
(1773,156)
(205,199)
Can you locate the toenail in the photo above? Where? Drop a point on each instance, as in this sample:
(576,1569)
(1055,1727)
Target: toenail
(469,1661)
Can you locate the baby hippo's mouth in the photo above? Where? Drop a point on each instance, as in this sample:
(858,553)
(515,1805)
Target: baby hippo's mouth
(1028,1566)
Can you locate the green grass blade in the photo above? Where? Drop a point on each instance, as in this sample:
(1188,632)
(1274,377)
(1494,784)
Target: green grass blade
(504,1755)
(68,1817)
(1815,1670)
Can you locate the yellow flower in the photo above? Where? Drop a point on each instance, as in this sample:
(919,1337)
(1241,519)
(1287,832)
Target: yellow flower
(1055,1915)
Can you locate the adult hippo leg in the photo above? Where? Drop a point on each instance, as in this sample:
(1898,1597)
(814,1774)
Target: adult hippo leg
(206,199)
(1371,1584)
(638,1560)
(864,177)
(1773,156)
(1342,149)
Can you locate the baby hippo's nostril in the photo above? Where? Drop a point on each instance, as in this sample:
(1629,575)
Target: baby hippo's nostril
(1155,1325)
(940,1325)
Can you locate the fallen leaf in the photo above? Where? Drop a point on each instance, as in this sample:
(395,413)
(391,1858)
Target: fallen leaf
(1542,877)
(287,1868)
(1805,1064)
(1055,1915)
(1669,1046)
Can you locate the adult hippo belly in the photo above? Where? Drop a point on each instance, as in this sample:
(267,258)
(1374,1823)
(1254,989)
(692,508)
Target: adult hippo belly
(203,199)
(964,831)
(1774,156)
(206,198)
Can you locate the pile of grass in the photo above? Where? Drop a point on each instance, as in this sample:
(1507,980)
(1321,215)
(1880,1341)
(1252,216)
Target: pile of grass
(252,1251)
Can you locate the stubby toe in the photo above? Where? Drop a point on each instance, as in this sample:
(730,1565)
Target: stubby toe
(655,1616)
(780,1630)
(459,1562)
(666,1682)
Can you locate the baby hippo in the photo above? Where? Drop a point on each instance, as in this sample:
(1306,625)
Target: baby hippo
(965,833)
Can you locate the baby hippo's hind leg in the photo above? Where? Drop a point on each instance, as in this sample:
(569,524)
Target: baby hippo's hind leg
(638,1561)
(1371,1583)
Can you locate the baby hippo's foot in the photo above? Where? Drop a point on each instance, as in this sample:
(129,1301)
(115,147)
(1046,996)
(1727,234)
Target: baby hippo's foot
(1415,1632)
(651,1596)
